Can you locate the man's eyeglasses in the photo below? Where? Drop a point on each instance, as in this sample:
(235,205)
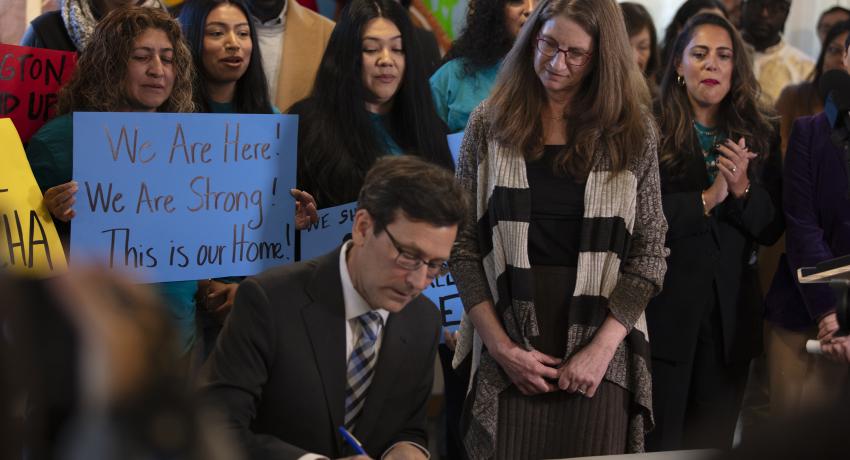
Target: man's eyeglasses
(549,48)
(409,261)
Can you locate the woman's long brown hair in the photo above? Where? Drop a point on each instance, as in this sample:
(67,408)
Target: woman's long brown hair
(740,114)
(609,111)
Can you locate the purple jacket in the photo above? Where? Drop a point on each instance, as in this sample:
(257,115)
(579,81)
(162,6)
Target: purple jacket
(817,214)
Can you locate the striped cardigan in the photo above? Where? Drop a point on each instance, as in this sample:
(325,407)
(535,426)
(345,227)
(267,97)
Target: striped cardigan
(621,265)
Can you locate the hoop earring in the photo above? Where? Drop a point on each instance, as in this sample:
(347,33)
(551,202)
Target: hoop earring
(680,80)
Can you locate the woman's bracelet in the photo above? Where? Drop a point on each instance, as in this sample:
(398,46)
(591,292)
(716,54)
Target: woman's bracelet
(704,206)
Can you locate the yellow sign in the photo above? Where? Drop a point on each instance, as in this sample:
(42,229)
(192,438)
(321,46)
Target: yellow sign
(29,244)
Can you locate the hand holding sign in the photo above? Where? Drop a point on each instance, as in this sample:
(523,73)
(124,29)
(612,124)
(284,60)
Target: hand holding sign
(217,297)
(60,199)
(29,243)
(175,197)
(305,209)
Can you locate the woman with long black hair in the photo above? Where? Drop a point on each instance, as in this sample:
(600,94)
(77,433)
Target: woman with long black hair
(371,98)
(226,52)
(229,78)
(136,61)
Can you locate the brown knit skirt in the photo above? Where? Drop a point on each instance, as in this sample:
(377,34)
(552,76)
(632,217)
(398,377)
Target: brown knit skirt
(560,424)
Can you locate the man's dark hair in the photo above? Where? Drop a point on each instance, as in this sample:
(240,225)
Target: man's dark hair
(424,192)
(761,32)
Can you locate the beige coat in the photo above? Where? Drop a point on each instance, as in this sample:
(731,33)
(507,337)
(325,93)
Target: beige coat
(304,41)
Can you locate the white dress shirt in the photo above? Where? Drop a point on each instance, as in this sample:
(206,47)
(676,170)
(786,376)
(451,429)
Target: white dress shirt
(356,305)
(270,36)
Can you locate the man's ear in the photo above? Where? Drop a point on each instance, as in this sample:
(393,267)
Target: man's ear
(363,226)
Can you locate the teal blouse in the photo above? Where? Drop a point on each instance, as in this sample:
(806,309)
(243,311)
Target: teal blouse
(456,94)
(384,136)
(708,140)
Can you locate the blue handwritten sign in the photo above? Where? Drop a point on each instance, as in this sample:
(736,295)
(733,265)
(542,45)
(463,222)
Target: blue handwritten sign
(443,292)
(169,197)
(330,231)
(334,226)
(454,144)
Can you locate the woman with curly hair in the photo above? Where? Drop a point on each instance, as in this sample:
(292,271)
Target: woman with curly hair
(719,163)
(136,61)
(70,27)
(473,61)
(370,99)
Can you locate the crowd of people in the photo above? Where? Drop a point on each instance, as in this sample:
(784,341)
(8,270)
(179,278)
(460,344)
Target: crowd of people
(624,222)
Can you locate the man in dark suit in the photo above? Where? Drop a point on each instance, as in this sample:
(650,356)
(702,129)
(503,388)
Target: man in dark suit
(296,359)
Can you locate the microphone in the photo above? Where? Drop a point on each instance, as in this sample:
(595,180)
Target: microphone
(813,347)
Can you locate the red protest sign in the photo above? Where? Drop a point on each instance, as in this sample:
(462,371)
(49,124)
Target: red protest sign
(30,78)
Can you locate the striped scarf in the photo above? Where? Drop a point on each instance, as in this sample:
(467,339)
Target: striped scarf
(80,20)
(621,265)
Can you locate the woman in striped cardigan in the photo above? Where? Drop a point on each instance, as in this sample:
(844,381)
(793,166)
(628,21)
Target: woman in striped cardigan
(565,245)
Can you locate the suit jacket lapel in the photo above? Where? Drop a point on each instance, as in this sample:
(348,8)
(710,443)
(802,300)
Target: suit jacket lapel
(325,323)
(390,360)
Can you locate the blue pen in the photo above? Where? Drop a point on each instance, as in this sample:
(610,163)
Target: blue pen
(352,441)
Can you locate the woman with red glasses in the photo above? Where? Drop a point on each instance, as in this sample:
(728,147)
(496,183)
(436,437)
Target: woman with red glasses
(566,246)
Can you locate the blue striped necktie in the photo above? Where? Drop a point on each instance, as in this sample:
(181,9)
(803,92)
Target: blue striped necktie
(361,366)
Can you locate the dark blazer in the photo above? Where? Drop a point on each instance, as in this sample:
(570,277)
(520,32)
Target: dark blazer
(818,214)
(709,255)
(279,368)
